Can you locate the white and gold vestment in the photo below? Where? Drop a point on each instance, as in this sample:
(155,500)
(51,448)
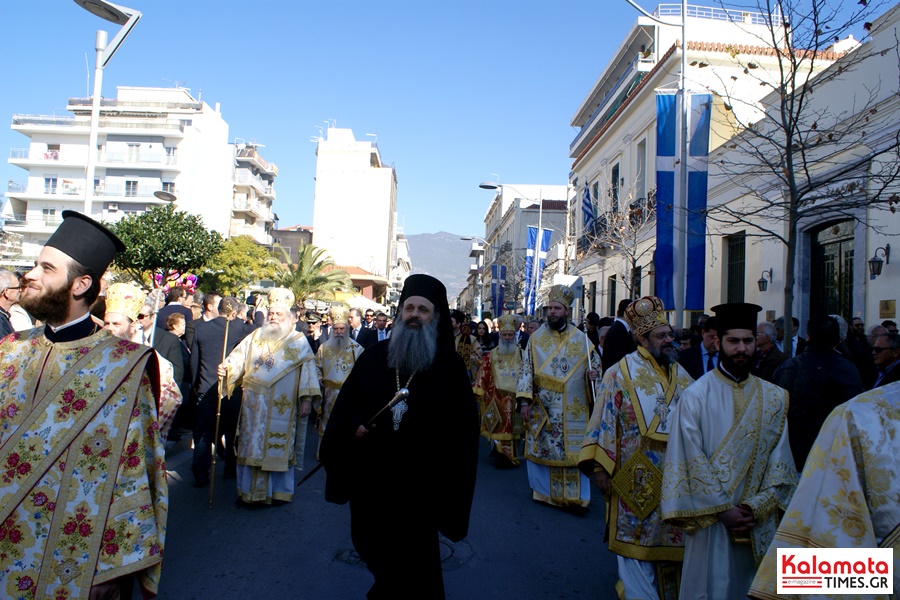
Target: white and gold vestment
(849,493)
(728,447)
(276,375)
(553,382)
(333,365)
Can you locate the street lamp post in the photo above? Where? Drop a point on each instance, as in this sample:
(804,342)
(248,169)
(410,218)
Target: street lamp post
(127,18)
(490,185)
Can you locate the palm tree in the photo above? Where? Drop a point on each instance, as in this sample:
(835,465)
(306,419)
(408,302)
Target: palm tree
(310,277)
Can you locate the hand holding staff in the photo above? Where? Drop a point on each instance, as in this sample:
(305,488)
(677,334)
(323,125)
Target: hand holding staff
(222,393)
(401,394)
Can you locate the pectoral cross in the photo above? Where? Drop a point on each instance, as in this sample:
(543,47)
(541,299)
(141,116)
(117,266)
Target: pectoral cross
(662,411)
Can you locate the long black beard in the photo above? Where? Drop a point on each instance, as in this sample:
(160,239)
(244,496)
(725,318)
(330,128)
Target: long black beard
(412,350)
(739,371)
(50,307)
(556,324)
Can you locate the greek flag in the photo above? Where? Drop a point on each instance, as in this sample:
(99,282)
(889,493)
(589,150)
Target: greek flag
(587,207)
(669,196)
(495,289)
(532,279)
(501,290)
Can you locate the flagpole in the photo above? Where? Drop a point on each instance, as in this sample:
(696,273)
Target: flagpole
(538,247)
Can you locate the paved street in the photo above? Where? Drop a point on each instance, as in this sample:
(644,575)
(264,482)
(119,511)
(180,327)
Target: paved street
(516,548)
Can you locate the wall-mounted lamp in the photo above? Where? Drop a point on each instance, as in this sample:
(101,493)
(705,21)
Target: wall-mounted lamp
(875,263)
(763,283)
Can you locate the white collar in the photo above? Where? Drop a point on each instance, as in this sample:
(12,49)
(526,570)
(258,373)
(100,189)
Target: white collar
(86,315)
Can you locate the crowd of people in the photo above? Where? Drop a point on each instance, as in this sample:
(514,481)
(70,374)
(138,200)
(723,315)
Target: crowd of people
(713,446)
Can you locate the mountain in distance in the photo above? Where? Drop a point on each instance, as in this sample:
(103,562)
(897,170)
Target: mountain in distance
(444,256)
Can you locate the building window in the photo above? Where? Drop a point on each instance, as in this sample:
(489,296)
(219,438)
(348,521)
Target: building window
(170,155)
(49,185)
(168,186)
(641,163)
(611,295)
(595,192)
(737,246)
(49,215)
(131,188)
(614,190)
(593,296)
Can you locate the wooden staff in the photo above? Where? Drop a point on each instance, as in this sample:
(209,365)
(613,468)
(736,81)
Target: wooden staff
(222,392)
(592,391)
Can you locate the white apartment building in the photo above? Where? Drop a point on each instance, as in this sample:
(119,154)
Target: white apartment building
(150,140)
(254,194)
(355,204)
(614,150)
(512,210)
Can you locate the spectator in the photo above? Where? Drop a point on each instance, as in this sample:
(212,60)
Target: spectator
(177,300)
(817,381)
(768,356)
(887,358)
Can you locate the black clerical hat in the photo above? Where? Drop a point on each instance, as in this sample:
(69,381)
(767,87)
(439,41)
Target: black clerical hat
(736,315)
(86,241)
(430,288)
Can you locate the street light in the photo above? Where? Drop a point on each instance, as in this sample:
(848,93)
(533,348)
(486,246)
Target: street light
(491,185)
(127,18)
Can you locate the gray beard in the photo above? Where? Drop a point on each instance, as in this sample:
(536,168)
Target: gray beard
(338,343)
(506,347)
(665,357)
(412,350)
(273,331)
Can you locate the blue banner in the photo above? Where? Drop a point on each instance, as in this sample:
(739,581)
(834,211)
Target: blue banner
(494,288)
(529,269)
(666,148)
(698,180)
(501,291)
(542,259)
(691,263)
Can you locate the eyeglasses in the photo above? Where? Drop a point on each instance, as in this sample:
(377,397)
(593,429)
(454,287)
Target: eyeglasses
(14,287)
(143,316)
(877,350)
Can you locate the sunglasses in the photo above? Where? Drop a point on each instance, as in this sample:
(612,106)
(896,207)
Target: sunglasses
(143,316)
(877,350)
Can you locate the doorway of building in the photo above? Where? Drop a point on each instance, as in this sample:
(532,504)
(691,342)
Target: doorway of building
(831,281)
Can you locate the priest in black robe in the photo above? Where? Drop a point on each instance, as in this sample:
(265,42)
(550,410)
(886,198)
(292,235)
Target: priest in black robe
(409,473)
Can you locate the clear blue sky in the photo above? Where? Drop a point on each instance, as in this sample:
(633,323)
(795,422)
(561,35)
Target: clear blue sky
(456,91)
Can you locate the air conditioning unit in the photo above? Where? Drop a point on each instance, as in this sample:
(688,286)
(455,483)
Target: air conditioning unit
(113,207)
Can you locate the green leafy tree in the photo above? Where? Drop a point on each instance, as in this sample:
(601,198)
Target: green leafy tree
(240,262)
(308,278)
(163,239)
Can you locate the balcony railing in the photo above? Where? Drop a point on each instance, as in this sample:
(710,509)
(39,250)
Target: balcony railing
(51,121)
(602,108)
(15,187)
(27,154)
(717,14)
(137,159)
(41,221)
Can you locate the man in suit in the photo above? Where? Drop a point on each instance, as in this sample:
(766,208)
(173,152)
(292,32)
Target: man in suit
(177,301)
(886,351)
(817,381)
(381,327)
(797,345)
(206,355)
(619,341)
(364,337)
(700,360)
(369,323)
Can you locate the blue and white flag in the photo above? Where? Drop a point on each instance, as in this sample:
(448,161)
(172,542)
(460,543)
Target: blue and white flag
(529,268)
(531,290)
(587,207)
(669,197)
